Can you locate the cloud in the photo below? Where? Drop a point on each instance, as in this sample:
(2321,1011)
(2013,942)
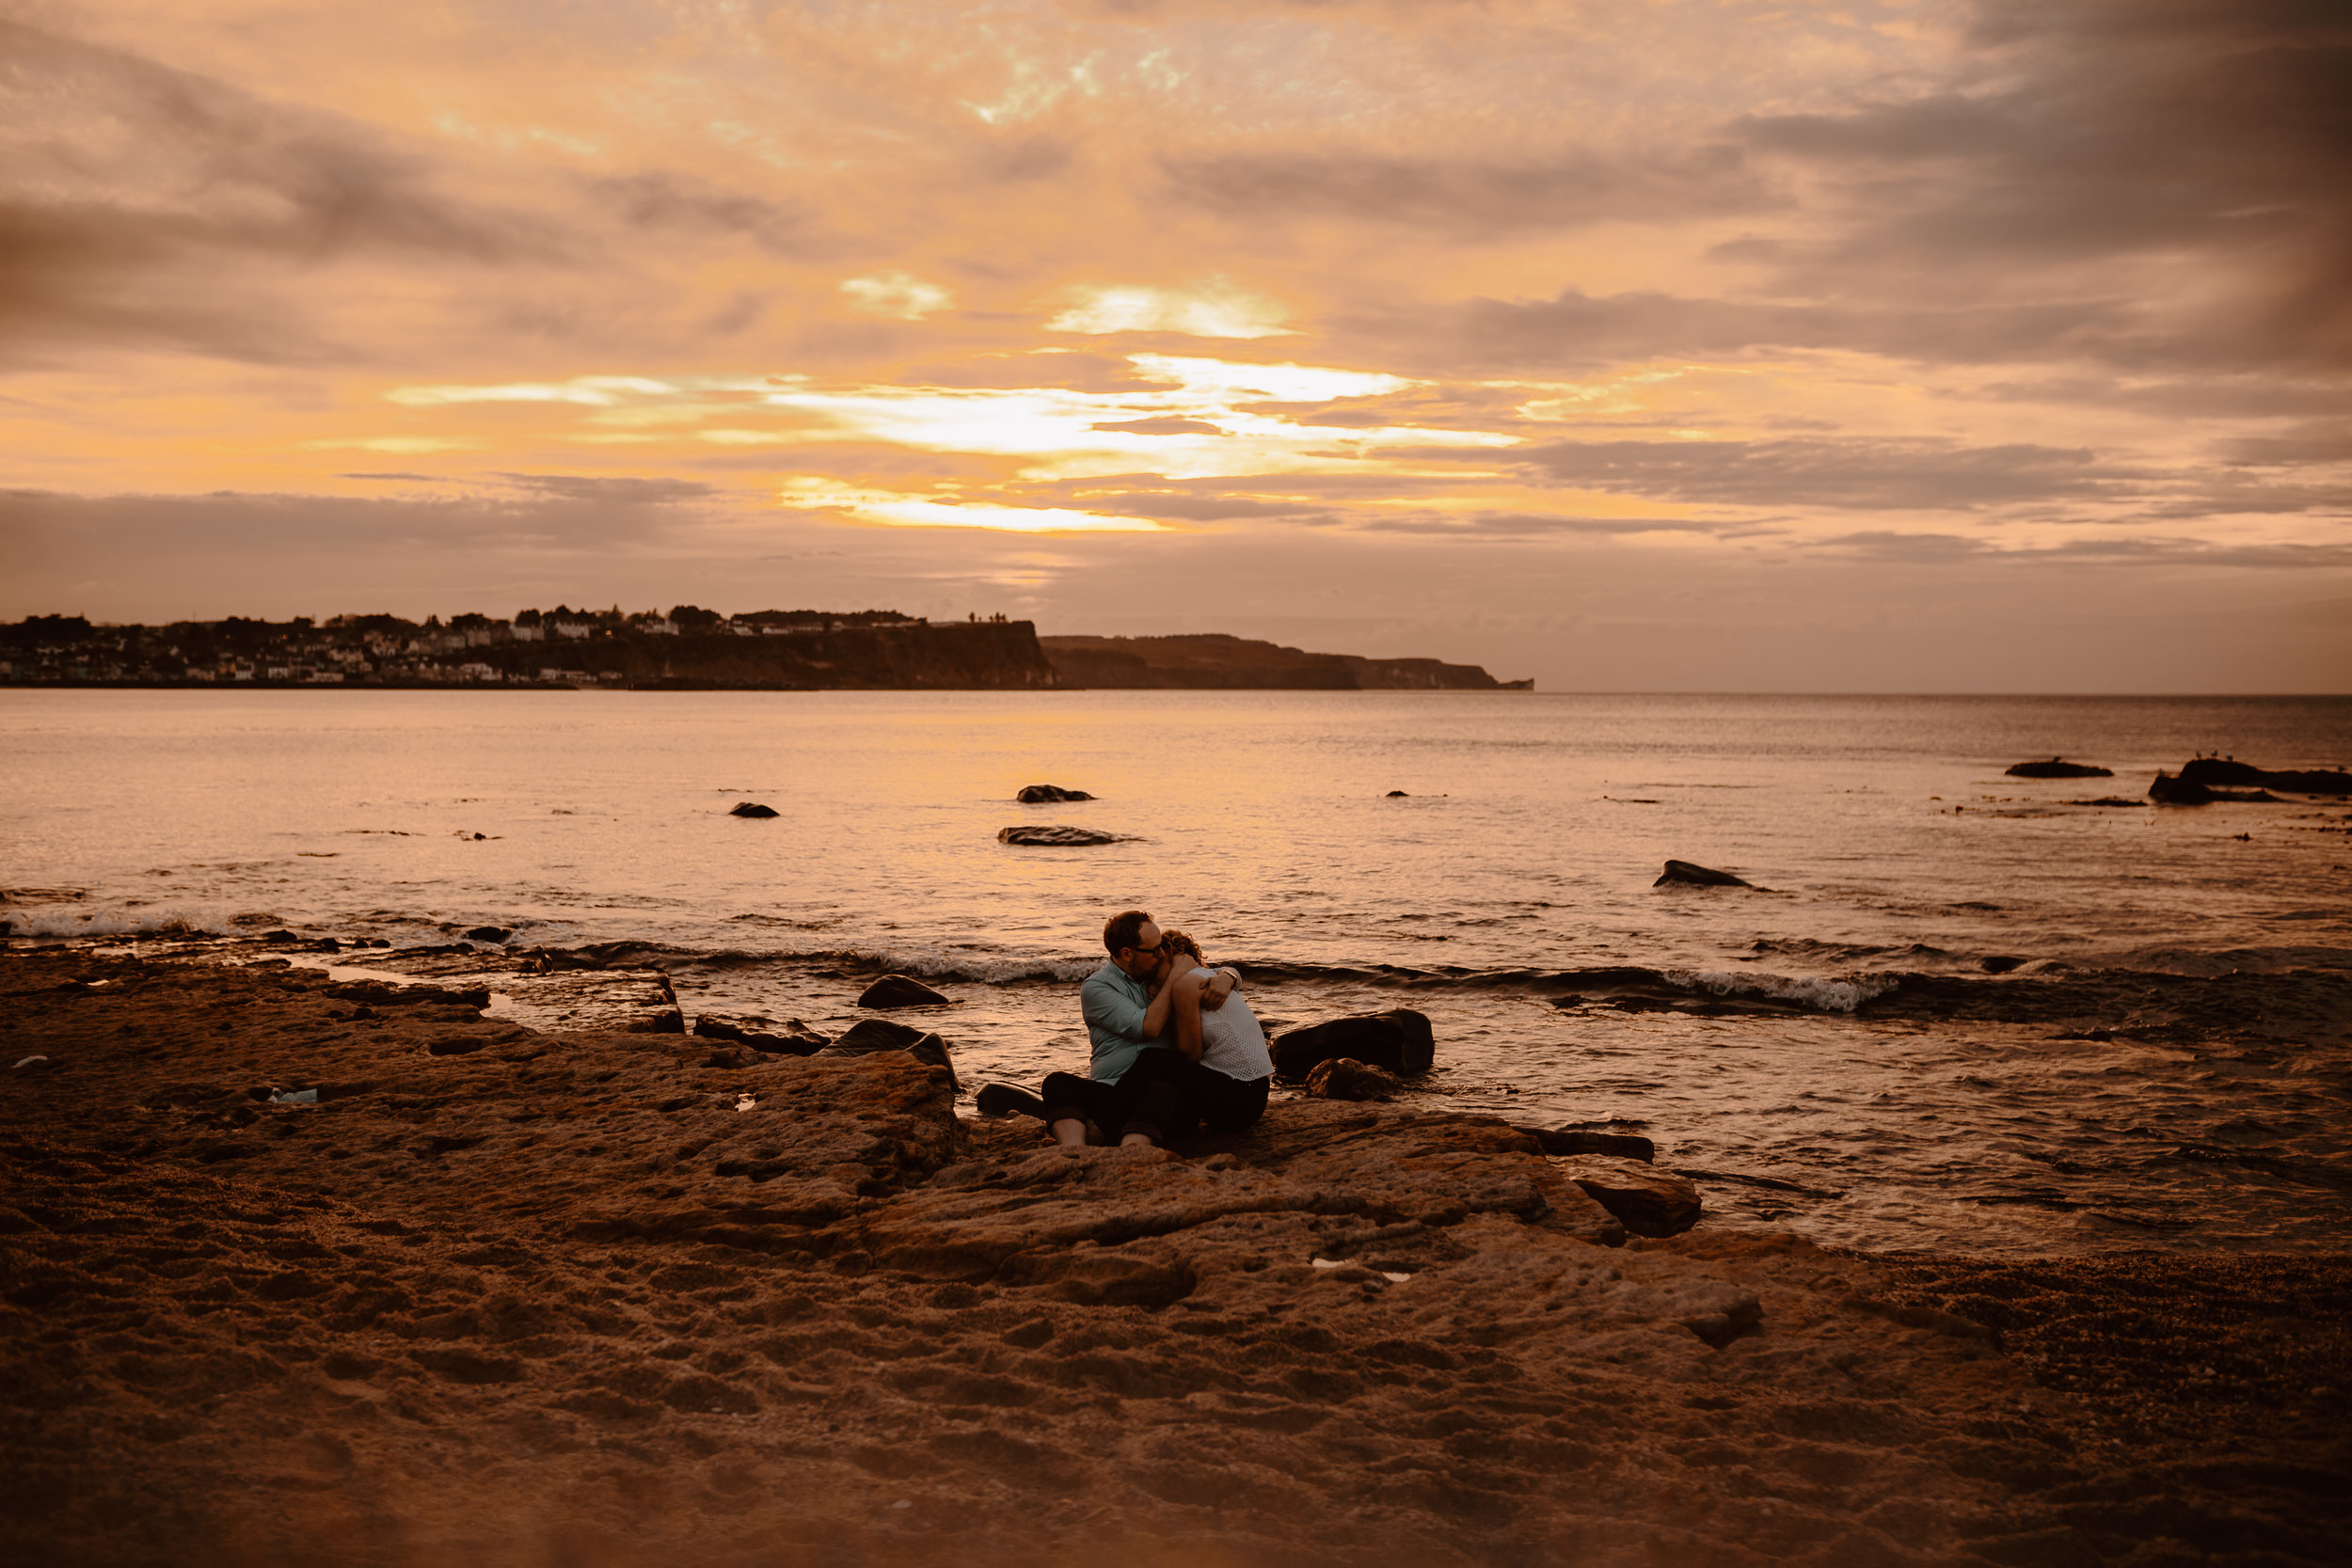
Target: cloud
(2198,149)
(667,203)
(142,204)
(1470,197)
(1211,310)
(1164,426)
(1892,546)
(1852,473)
(899,296)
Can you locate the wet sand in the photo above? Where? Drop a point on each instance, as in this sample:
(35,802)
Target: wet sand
(592,1296)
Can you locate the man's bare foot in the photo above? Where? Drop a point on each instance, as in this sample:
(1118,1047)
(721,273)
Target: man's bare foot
(1070,1133)
(1137,1140)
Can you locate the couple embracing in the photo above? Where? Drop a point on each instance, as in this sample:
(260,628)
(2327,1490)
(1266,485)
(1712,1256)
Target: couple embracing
(1173,1048)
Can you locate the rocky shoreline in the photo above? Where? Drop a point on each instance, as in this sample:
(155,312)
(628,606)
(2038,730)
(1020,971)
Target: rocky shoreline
(564,1291)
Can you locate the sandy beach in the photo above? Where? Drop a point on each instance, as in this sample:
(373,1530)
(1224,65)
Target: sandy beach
(612,1297)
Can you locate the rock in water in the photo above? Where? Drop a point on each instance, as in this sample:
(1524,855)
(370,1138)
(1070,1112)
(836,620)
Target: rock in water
(1650,1201)
(871,1034)
(1345,1078)
(1396,794)
(2058,769)
(1684,874)
(2165,790)
(1057,836)
(2226,770)
(1046,794)
(1577,1140)
(752,808)
(488,933)
(1398,1040)
(896,991)
(790,1038)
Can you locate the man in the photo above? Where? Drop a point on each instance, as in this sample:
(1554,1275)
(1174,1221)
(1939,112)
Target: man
(1131,1090)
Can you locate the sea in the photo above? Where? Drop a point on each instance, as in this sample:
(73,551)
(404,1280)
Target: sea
(1957,1011)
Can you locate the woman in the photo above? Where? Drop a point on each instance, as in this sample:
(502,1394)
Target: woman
(1229,1069)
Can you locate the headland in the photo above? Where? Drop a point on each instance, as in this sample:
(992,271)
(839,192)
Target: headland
(685,648)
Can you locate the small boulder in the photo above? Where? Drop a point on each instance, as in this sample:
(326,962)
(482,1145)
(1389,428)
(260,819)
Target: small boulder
(870,1035)
(2165,790)
(1047,795)
(1650,1201)
(488,933)
(1040,835)
(1398,1040)
(896,991)
(2058,768)
(1396,794)
(790,1038)
(1684,874)
(1578,1140)
(1345,1078)
(752,808)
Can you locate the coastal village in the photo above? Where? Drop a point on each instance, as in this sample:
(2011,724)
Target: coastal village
(558,647)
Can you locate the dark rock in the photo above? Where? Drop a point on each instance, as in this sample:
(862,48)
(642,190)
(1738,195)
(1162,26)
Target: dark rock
(1057,836)
(1999,963)
(1577,1140)
(669,1021)
(2224,770)
(280,938)
(896,991)
(1650,1201)
(2055,768)
(2107,801)
(1684,874)
(791,1038)
(752,808)
(1398,1040)
(722,1058)
(488,933)
(2168,791)
(1345,1078)
(870,1035)
(1396,794)
(1046,794)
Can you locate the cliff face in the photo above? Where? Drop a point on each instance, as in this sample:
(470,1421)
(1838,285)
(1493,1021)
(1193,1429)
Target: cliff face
(1214,661)
(982,655)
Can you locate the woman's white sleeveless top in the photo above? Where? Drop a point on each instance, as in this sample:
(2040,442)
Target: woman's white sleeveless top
(1233,1041)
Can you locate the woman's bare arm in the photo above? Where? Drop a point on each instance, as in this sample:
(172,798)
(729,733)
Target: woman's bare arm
(1187,989)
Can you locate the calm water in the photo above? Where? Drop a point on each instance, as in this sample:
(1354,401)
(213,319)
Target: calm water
(2211,947)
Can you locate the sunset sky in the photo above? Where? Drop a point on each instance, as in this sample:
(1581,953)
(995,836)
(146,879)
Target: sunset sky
(1639,344)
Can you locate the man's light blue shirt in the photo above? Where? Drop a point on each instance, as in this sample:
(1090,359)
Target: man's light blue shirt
(1114,1003)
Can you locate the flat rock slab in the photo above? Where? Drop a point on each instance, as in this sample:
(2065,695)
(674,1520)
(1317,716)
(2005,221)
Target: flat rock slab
(1578,1140)
(1650,1201)
(871,1034)
(1057,836)
(1047,795)
(898,991)
(761,1033)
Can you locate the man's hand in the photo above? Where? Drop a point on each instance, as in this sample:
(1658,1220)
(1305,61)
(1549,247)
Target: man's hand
(1213,996)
